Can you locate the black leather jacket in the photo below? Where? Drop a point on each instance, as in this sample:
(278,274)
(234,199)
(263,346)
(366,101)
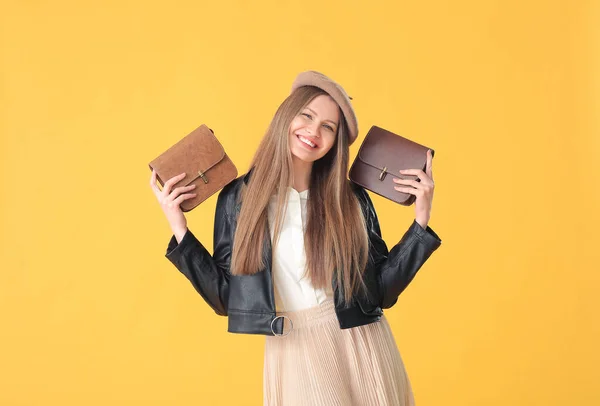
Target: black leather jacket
(249,301)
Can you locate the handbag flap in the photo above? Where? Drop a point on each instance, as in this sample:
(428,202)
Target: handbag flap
(194,154)
(390,152)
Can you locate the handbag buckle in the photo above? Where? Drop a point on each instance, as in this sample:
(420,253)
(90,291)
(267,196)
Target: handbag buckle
(383,173)
(203,176)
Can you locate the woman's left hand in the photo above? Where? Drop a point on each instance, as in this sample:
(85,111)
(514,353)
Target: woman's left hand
(423,190)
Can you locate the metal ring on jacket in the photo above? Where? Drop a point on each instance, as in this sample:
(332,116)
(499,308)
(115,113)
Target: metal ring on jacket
(282,335)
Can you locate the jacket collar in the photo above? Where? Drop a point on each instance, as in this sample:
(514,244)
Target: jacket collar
(247,175)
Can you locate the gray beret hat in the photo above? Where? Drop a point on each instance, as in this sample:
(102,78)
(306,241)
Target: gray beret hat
(337,93)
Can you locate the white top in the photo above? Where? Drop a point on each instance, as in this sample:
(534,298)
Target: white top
(293,290)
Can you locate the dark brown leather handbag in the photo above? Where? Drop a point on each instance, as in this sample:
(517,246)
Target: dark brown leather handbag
(202,157)
(380,158)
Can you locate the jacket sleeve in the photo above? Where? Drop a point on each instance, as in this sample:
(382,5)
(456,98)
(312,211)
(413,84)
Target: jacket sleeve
(398,267)
(209,274)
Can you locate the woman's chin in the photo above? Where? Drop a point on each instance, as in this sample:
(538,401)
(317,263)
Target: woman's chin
(304,156)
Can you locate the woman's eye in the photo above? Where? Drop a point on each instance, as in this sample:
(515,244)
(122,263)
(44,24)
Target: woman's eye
(310,117)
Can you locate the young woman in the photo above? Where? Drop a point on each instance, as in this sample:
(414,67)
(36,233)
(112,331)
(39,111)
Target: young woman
(298,256)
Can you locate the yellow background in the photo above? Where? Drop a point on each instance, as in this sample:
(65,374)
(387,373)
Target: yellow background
(506,92)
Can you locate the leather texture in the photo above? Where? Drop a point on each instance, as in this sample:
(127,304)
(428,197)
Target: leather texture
(248,300)
(202,157)
(380,158)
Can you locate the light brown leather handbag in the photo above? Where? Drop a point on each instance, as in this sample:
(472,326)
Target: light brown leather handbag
(380,158)
(202,157)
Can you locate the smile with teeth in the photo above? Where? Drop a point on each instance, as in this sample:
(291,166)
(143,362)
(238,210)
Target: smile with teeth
(307,141)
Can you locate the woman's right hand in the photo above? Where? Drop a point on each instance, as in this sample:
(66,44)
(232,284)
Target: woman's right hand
(170,200)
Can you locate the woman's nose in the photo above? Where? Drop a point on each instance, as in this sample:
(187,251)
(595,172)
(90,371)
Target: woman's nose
(312,131)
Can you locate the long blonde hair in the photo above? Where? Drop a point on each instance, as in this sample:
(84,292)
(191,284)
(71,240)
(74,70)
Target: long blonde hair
(335,237)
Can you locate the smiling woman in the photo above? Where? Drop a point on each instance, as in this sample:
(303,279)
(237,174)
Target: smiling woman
(299,258)
(313,131)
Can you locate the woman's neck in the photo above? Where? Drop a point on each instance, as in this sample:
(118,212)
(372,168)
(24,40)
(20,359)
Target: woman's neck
(302,171)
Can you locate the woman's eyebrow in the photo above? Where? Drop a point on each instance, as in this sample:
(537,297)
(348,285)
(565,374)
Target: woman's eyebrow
(331,121)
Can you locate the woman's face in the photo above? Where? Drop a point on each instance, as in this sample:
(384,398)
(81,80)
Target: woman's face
(313,131)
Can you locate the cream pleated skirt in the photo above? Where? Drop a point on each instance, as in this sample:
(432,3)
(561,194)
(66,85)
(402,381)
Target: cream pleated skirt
(319,364)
